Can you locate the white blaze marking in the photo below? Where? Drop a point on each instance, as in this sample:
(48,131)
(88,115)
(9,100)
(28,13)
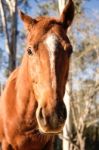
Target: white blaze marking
(51,42)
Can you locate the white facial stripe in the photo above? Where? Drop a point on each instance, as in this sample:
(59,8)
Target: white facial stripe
(51,43)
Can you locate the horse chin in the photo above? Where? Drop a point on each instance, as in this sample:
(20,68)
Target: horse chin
(46,130)
(49,131)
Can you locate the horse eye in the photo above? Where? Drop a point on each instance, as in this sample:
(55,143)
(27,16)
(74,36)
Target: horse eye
(29,50)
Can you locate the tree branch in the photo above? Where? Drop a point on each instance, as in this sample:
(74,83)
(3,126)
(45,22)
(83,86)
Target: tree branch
(10,6)
(70,140)
(90,48)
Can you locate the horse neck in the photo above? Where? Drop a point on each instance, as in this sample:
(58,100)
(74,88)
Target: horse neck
(25,94)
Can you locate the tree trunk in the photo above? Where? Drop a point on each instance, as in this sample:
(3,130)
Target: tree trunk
(61,4)
(10,36)
(67,128)
(13,42)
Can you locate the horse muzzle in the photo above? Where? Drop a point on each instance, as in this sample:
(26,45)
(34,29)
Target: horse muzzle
(51,122)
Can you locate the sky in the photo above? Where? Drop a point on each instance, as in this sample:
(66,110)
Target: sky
(88,4)
(93,4)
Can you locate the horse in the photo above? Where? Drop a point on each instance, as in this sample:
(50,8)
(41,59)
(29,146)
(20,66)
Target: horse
(32,111)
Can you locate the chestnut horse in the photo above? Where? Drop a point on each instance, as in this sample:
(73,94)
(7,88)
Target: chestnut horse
(32,110)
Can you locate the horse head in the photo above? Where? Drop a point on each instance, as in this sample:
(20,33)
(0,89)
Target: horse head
(48,51)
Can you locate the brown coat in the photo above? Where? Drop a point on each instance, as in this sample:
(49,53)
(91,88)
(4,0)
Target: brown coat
(28,106)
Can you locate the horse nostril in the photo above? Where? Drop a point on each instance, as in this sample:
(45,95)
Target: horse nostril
(40,113)
(61,112)
(42,116)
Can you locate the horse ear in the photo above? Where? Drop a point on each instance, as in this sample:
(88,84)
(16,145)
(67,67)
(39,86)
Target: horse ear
(28,21)
(67,14)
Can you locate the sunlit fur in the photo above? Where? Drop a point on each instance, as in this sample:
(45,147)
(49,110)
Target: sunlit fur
(32,110)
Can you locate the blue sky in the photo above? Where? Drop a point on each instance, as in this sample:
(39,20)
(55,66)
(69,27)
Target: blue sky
(88,4)
(93,4)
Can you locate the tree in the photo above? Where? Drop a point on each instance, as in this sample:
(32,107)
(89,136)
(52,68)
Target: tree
(9,24)
(9,11)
